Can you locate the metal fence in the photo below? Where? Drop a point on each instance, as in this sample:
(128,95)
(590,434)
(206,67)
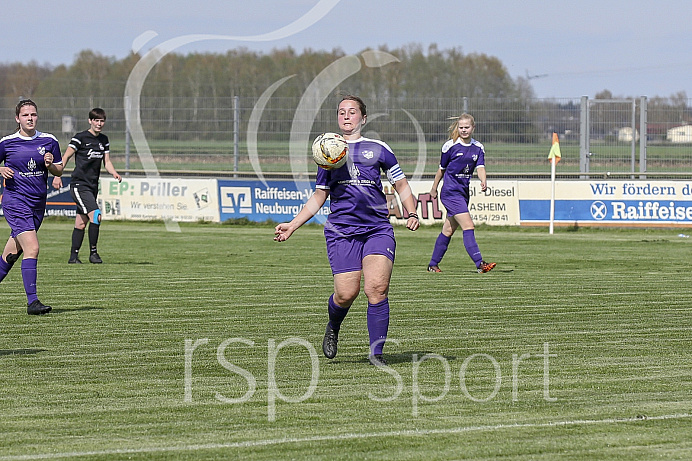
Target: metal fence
(207,134)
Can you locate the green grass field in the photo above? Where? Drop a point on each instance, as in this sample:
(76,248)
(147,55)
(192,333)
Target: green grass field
(205,344)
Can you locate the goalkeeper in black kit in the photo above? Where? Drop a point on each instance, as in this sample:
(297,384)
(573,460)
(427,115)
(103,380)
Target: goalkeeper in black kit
(90,149)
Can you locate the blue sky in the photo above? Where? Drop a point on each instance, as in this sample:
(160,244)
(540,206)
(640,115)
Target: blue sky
(569,48)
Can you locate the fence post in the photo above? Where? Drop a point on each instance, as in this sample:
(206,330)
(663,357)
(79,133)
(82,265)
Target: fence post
(643,134)
(236,131)
(127,137)
(633,160)
(584,136)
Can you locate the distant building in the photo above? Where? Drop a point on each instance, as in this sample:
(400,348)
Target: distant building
(625,134)
(680,134)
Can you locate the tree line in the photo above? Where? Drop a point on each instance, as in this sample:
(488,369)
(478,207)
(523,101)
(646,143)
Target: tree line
(428,78)
(421,73)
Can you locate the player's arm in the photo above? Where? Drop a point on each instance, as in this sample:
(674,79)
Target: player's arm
(284,230)
(54,168)
(436,182)
(5,171)
(480,169)
(110,168)
(403,188)
(57,180)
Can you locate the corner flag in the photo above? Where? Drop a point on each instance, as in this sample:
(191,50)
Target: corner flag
(555,150)
(554,156)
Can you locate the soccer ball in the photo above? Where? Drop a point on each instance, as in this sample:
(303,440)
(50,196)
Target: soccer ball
(330,150)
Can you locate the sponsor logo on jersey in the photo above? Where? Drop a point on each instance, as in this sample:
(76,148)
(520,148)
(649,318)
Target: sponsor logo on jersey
(353,170)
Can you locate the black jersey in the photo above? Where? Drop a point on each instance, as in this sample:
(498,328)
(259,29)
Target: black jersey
(89,155)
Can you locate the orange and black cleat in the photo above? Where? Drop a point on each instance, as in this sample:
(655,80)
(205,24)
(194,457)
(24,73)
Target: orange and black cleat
(486,267)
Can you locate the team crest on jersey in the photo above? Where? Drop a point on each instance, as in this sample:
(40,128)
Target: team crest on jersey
(368,154)
(41,150)
(31,164)
(475,157)
(353,170)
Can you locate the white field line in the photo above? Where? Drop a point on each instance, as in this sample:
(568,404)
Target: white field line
(340,437)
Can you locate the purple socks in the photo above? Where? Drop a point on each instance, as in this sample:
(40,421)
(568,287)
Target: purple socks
(472,247)
(440,249)
(377,319)
(442,243)
(336,314)
(29,278)
(378,324)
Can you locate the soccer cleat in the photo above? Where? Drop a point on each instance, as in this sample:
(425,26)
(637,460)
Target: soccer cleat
(74,260)
(377,360)
(486,267)
(331,337)
(37,308)
(434,269)
(94,258)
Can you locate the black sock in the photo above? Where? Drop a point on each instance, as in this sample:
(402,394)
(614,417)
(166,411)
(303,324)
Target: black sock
(93,236)
(77,238)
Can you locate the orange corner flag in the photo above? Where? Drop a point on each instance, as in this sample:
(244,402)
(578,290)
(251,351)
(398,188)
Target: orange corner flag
(555,150)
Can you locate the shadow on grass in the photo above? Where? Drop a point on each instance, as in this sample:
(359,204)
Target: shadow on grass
(4,352)
(454,272)
(76,309)
(392,359)
(117,263)
(408,357)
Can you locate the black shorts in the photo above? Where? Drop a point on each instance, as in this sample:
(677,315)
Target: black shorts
(84,197)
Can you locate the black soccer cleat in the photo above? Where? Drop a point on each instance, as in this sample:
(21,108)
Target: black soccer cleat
(37,308)
(377,360)
(331,337)
(434,269)
(94,258)
(74,260)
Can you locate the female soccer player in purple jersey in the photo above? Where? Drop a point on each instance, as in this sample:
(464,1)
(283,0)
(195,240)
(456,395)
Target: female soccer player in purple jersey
(360,238)
(461,155)
(28,156)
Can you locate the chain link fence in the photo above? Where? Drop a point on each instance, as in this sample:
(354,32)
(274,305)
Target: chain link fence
(210,135)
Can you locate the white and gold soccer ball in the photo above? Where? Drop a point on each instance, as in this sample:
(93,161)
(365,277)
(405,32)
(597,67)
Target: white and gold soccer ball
(330,150)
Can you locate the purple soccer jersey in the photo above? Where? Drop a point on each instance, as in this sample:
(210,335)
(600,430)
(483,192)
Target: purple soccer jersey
(24,155)
(358,203)
(459,161)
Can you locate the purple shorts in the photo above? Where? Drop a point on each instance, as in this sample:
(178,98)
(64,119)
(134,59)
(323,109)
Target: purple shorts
(346,251)
(455,204)
(20,216)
